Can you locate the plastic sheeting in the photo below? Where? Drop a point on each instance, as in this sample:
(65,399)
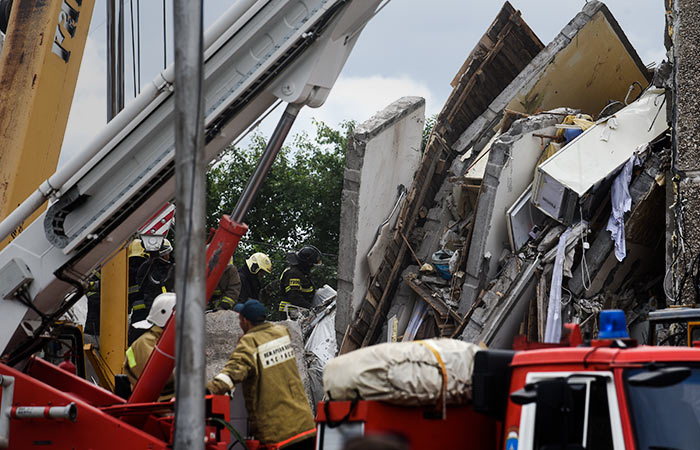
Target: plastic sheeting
(320,348)
(405,373)
(552,334)
(621,203)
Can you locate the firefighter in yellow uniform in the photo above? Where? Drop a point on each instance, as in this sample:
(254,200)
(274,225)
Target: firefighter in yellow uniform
(137,355)
(264,361)
(227,289)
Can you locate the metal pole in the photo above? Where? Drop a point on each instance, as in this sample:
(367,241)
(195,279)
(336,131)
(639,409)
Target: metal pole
(190,239)
(115,58)
(266,160)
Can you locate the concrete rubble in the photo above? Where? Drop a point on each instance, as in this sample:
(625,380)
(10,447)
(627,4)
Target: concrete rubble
(474,252)
(223,334)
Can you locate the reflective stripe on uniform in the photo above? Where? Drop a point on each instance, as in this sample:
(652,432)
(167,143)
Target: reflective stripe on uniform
(139,306)
(228,300)
(286,306)
(130,357)
(308,289)
(133,289)
(294,283)
(225,379)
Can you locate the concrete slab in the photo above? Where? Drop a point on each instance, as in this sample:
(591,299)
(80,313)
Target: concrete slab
(382,155)
(505,49)
(511,165)
(590,62)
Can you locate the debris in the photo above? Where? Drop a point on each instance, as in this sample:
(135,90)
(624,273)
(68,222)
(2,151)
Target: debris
(320,348)
(621,203)
(515,169)
(223,333)
(583,164)
(506,48)
(552,334)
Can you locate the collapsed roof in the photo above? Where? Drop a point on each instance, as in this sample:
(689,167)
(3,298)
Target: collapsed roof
(472,254)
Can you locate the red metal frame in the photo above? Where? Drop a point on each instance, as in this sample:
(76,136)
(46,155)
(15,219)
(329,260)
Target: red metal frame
(93,428)
(161,363)
(99,421)
(462,428)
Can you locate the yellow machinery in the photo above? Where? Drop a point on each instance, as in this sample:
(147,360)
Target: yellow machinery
(39,67)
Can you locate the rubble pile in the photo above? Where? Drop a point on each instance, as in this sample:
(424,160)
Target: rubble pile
(223,333)
(538,206)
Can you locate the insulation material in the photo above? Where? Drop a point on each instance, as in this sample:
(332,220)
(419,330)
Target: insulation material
(320,348)
(405,373)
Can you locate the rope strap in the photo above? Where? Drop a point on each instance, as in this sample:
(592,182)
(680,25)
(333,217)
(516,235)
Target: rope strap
(442,399)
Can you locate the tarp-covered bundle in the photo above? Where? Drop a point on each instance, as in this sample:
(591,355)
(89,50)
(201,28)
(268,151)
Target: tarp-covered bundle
(406,373)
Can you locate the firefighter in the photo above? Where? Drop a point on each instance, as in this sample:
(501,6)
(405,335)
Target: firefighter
(250,275)
(295,283)
(227,289)
(153,278)
(92,321)
(264,361)
(137,355)
(136,255)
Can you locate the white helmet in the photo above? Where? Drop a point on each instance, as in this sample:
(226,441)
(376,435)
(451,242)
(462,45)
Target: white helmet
(160,312)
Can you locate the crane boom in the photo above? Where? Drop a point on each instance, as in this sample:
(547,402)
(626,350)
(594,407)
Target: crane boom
(258,52)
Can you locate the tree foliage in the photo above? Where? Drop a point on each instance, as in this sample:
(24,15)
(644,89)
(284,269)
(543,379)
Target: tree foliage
(298,204)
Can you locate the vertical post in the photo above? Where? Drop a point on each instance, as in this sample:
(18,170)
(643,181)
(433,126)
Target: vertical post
(114,283)
(113,311)
(190,240)
(115,57)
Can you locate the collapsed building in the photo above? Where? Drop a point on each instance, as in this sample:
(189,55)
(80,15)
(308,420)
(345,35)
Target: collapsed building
(536,199)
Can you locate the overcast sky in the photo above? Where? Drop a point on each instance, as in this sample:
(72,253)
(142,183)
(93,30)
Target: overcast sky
(412,47)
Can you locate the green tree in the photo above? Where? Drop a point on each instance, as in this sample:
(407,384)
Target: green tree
(298,204)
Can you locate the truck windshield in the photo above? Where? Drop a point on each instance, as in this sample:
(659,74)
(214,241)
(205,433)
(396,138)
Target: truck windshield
(666,417)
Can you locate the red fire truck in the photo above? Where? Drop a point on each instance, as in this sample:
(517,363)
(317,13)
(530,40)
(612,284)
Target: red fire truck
(609,393)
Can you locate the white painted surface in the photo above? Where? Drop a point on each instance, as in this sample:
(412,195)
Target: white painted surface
(391,158)
(516,176)
(601,150)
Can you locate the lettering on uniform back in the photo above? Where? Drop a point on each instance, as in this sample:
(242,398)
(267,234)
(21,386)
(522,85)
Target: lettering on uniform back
(275,352)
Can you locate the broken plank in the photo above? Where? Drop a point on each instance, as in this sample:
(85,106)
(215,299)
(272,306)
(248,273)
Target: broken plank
(436,303)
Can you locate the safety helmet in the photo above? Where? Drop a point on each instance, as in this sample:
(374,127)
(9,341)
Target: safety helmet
(259,261)
(165,248)
(160,312)
(136,249)
(307,256)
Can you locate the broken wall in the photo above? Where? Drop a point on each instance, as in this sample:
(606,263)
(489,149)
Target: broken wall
(683,198)
(505,49)
(382,156)
(574,70)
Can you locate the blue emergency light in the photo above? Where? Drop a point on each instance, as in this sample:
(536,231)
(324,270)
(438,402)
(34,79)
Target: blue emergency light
(612,325)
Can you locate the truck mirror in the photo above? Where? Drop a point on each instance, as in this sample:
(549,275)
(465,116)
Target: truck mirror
(524,396)
(663,377)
